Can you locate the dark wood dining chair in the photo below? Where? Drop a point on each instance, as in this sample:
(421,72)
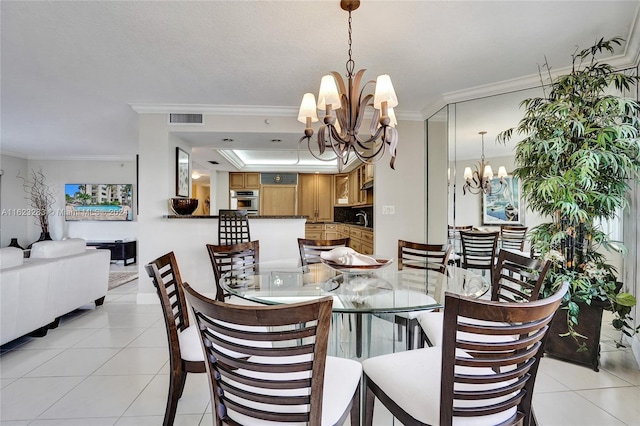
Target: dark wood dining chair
(479,250)
(237,261)
(292,380)
(418,256)
(454,240)
(516,278)
(513,237)
(471,377)
(233,227)
(185,352)
(310,250)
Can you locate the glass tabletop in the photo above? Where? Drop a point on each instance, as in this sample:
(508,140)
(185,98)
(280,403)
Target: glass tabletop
(383,290)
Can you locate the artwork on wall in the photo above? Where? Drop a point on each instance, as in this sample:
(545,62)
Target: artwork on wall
(97,202)
(182,173)
(503,207)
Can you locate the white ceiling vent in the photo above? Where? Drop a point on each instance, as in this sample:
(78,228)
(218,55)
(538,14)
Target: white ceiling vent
(186,119)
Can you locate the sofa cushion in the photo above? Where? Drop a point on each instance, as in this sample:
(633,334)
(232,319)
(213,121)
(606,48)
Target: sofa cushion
(10,257)
(53,249)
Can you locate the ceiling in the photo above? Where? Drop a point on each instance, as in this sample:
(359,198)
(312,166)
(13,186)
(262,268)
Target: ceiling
(71,71)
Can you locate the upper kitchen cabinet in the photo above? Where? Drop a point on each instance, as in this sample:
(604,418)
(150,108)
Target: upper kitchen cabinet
(315,197)
(357,195)
(368,173)
(341,189)
(238,180)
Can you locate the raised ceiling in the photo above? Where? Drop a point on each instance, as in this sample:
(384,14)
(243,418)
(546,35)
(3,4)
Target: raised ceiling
(72,70)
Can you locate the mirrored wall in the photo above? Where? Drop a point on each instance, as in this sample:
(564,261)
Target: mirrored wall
(454,143)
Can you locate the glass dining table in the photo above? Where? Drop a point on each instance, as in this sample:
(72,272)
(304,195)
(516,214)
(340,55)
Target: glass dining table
(362,296)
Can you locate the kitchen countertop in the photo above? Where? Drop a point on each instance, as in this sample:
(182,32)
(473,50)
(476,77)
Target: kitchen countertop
(175,216)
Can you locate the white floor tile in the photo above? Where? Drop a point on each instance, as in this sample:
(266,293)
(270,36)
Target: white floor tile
(110,338)
(623,403)
(570,409)
(27,398)
(577,377)
(74,362)
(135,361)
(99,396)
(96,421)
(19,362)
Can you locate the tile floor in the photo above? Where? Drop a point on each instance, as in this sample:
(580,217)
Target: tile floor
(109,366)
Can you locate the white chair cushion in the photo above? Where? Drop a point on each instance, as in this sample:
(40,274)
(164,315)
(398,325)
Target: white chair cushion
(190,346)
(10,257)
(53,249)
(341,379)
(412,380)
(433,322)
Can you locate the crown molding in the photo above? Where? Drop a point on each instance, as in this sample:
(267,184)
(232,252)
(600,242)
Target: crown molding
(83,158)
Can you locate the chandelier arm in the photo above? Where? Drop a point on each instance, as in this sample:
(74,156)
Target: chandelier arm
(309,140)
(361,108)
(340,81)
(355,93)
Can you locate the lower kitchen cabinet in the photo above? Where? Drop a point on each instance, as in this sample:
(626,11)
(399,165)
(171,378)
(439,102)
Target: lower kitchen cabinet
(361,239)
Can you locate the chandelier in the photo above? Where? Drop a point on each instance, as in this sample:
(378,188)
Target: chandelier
(479,180)
(344,106)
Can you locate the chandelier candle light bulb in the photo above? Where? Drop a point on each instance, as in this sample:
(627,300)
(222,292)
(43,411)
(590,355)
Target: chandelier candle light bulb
(344,106)
(477,183)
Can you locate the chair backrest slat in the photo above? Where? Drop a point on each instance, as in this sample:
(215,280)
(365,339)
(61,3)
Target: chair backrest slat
(518,278)
(423,256)
(311,250)
(479,249)
(513,237)
(282,382)
(490,356)
(235,260)
(233,227)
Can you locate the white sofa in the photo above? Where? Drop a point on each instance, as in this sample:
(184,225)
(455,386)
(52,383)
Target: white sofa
(59,277)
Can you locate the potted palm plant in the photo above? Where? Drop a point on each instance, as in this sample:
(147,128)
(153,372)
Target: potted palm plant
(581,148)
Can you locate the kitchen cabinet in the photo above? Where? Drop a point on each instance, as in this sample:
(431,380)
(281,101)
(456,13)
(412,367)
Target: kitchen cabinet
(278,200)
(314,231)
(247,180)
(315,197)
(361,239)
(368,173)
(341,189)
(321,231)
(356,180)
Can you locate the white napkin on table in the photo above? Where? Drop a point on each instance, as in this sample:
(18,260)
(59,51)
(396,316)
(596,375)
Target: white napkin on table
(347,256)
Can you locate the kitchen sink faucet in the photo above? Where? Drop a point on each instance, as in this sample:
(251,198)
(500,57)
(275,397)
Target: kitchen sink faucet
(363,214)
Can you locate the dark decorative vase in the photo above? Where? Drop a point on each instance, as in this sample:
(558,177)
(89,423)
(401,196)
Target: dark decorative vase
(44,236)
(14,243)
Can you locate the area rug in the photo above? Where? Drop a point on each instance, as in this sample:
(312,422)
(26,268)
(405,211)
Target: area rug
(117,278)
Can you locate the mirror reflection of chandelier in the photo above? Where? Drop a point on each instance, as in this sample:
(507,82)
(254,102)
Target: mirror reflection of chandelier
(344,106)
(479,180)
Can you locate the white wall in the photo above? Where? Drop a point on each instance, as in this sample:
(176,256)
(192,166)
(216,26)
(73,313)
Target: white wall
(13,205)
(402,188)
(57,174)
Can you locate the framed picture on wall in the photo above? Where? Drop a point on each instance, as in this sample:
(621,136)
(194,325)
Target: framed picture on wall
(182,173)
(504,206)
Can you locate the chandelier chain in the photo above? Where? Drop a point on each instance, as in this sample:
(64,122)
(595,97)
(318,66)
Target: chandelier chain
(350,63)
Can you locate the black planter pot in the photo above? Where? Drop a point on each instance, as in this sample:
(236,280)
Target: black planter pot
(566,348)
(14,243)
(44,236)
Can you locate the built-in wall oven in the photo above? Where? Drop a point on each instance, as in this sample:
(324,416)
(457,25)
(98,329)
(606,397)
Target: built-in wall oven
(245,200)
